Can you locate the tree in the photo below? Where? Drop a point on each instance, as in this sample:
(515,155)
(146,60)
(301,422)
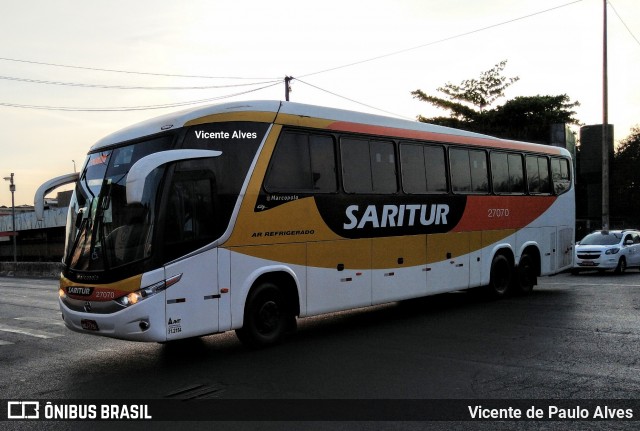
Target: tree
(523,118)
(471,93)
(625,199)
(529,118)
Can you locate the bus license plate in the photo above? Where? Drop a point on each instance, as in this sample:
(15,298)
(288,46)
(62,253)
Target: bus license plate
(89,325)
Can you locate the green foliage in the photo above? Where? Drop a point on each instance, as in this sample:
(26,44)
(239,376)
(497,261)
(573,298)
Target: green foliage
(481,92)
(529,118)
(471,93)
(522,118)
(625,178)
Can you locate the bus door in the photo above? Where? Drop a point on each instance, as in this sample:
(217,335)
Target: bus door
(193,301)
(551,252)
(189,224)
(565,247)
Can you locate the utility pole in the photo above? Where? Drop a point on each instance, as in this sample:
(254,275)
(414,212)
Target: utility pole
(605,125)
(12,189)
(287,87)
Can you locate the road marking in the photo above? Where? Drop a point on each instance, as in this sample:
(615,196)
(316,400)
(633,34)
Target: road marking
(5,343)
(30,332)
(577,284)
(46,320)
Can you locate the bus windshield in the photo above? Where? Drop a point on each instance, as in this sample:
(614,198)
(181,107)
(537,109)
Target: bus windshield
(103,231)
(185,204)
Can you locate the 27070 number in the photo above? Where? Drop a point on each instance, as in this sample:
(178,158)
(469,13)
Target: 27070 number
(497,212)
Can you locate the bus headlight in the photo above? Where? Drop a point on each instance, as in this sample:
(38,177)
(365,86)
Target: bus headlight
(146,292)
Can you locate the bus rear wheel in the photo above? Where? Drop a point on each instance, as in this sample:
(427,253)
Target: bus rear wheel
(526,275)
(500,278)
(265,317)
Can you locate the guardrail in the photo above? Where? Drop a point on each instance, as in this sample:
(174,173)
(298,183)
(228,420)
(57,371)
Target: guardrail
(30,269)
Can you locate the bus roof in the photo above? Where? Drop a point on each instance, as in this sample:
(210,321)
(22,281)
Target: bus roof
(310,115)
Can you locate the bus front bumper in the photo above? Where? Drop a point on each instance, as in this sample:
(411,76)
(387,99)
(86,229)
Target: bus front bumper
(143,321)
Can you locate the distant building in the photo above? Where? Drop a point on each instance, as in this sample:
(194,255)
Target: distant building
(37,241)
(589,179)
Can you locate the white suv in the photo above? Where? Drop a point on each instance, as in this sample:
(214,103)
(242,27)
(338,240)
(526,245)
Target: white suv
(614,249)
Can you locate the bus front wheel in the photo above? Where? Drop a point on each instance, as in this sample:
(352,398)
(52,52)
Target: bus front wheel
(265,317)
(500,279)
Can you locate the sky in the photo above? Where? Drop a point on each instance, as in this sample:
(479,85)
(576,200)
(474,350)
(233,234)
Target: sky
(553,46)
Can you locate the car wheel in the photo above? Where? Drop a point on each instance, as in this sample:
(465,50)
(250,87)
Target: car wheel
(622,266)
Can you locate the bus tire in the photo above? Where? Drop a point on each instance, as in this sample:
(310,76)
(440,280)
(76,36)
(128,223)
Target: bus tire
(526,275)
(266,318)
(500,278)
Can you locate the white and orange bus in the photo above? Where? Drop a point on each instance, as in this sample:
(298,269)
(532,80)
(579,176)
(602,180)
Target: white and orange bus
(246,216)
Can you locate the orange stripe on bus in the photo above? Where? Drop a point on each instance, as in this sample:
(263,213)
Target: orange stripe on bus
(502,212)
(439,137)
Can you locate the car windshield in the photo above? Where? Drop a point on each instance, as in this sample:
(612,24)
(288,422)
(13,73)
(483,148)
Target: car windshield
(599,238)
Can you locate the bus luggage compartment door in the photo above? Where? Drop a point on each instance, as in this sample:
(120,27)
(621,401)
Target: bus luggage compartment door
(192,303)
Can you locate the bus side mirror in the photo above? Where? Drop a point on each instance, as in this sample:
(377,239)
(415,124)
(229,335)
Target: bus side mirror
(46,188)
(141,169)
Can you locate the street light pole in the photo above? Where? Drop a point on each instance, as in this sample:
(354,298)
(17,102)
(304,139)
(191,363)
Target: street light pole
(605,125)
(12,189)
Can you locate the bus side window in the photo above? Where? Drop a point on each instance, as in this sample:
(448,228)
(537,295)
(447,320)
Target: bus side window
(423,169)
(479,171)
(302,163)
(368,166)
(460,170)
(323,163)
(537,175)
(560,175)
(516,173)
(543,167)
(383,167)
(500,173)
(469,171)
(507,173)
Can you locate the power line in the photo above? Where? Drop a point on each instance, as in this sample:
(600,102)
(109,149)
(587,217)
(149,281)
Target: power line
(353,100)
(125,87)
(402,51)
(270,83)
(133,108)
(623,23)
(42,63)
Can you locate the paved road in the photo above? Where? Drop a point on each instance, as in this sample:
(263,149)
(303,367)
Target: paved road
(574,337)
